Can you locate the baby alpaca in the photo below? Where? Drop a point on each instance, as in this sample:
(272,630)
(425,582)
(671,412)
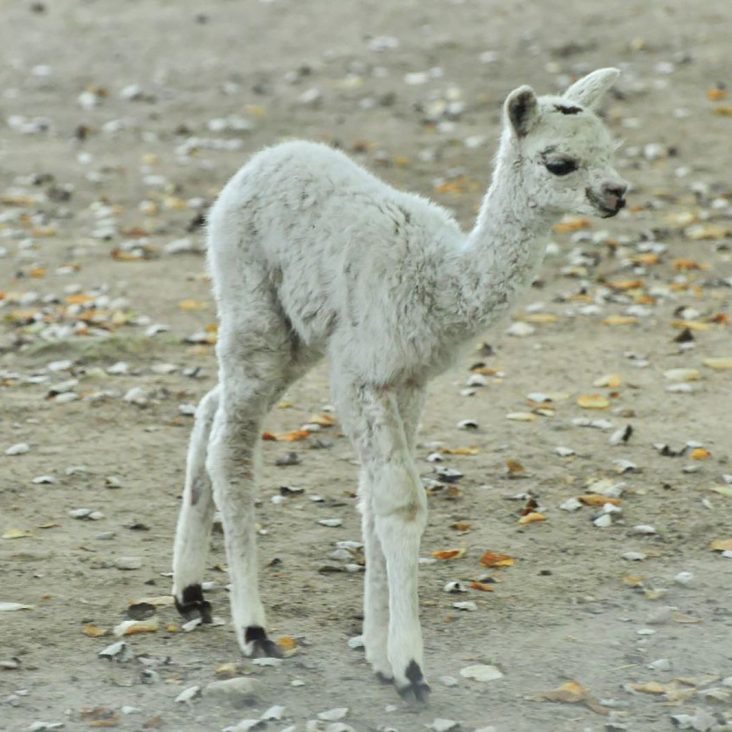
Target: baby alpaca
(311,255)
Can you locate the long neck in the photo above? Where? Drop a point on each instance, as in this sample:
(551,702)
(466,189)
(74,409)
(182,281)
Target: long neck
(502,254)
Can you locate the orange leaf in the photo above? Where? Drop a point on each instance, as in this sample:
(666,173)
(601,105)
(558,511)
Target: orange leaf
(625,284)
(514,466)
(78,299)
(572,224)
(687,264)
(481,586)
(700,453)
(37,272)
(596,499)
(461,526)
(491,559)
(324,419)
(716,94)
(721,545)
(286,642)
(460,450)
(448,553)
(93,631)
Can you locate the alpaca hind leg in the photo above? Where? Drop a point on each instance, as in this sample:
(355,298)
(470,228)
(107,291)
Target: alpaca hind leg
(256,365)
(195,519)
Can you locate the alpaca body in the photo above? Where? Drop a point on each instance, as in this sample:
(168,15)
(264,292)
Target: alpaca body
(312,255)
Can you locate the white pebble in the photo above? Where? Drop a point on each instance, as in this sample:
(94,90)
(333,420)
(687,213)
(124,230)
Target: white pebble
(19,449)
(684,578)
(333,715)
(481,672)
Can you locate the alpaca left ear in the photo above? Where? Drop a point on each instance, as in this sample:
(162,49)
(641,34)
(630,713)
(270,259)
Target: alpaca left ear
(588,90)
(522,109)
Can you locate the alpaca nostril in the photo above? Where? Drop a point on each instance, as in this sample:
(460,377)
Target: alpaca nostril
(614,189)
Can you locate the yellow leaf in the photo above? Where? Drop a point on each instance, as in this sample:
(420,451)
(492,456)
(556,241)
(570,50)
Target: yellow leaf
(700,453)
(596,499)
(16,534)
(460,450)
(540,318)
(78,299)
(522,416)
(691,325)
(514,466)
(572,692)
(93,631)
(481,586)
(532,518)
(593,401)
(714,94)
(286,643)
(324,419)
(649,687)
(721,545)
(611,381)
(718,363)
(620,320)
(625,284)
(633,580)
(723,110)
(189,304)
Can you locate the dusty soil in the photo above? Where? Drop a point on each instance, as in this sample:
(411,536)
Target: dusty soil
(92,195)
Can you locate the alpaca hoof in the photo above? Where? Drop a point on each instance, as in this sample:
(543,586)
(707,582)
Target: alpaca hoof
(384,678)
(192,605)
(416,689)
(257,644)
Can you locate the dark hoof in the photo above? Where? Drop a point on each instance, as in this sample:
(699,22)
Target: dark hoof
(193,605)
(417,689)
(256,636)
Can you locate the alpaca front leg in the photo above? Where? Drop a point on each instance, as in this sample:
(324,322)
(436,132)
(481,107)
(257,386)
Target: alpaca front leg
(400,510)
(195,519)
(376,590)
(231,458)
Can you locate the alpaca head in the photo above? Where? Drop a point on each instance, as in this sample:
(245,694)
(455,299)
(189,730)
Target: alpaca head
(562,149)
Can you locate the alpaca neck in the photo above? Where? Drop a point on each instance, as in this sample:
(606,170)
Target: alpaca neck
(503,252)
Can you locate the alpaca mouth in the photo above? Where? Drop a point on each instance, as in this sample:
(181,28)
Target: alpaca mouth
(603,209)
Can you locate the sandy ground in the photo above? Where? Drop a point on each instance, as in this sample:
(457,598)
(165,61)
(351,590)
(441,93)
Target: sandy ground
(98,178)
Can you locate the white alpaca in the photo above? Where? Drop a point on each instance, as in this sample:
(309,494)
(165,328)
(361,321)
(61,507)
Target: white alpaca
(312,255)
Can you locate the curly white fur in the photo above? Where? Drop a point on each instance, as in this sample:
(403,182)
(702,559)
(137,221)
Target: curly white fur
(311,255)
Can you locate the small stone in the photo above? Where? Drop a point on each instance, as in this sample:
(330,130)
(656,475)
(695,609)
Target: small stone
(118,651)
(266,661)
(455,587)
(571,504)
(634,556)
(645,631)
(661,664)
(289,458)
(444,725)
(448,681)
(128,563)
(331,523)
(684,578)
(19,449)
(333,715)
(355,642)
(520,329)
(604,521)
(240,687)
(44,480)
(467,606)
(467,424)
(188,694)
(80,513)
(661,616)
(481,672)
(643,530)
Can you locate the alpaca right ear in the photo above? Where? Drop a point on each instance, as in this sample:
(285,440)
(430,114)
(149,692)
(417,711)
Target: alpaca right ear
(522,109)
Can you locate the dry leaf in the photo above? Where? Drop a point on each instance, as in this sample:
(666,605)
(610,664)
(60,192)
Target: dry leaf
(93,631)
(715,94)
(718,363)
(461,526)
(460,450)
(324,419)
(481,586)
(691,325)
(593,401)
(596,499)
(633,580)
(700,453)
(572,223)
(514,467)
(16,534)
(573,692)
(189,304)
(649,687)
(531,518)
(611,381)
(721,545)
(491,559)
(448,553)
(286,643)
(620,320)
(540,318)
(293,436)
(625,284)
(522,416)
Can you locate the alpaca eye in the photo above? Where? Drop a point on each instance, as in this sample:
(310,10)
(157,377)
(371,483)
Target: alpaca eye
(562,167)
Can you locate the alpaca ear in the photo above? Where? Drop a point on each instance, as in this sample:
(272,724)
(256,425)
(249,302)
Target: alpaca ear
(588,90)
(522,109)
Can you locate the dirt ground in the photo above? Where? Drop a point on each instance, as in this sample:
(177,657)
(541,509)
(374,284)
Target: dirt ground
(99,177)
